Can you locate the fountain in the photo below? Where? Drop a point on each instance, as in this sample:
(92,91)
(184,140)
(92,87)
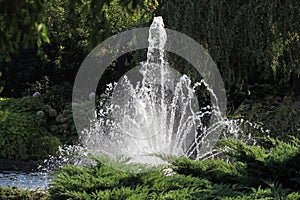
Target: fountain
(153,110)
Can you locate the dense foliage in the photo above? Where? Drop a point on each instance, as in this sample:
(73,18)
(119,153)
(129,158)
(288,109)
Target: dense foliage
(23,130)
(255,173)
(23,21)
(18,194)
(255,44)
(21,24)
(279,115)
(252,42)
(73,28)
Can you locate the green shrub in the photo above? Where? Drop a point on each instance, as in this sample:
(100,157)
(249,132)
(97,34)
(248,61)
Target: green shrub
(21,105)
(42,146)
(54,95)
(23,133)
(16,131)
(18,194)
(255,173)
(63,125)
(273,113)
(253,166)
(44,117)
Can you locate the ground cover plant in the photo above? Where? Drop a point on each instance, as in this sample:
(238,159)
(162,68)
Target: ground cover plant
(14,193)
(254,173)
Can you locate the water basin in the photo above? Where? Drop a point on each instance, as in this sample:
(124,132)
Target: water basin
(32,181)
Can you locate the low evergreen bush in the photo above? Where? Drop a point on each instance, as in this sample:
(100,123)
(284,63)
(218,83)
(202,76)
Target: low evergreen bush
(253,173)
(14,193)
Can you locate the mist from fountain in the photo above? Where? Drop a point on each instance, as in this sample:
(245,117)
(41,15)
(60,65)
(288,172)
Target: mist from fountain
(157,114)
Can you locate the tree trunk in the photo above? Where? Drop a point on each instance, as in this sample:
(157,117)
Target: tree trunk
(296,86)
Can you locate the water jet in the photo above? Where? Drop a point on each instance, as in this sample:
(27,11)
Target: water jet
(154,110)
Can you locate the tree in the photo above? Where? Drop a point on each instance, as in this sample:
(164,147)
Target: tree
(253,42)
(23,21)
(68,30)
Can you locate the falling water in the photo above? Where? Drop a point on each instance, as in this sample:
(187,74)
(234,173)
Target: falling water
(154,110)
(159,114)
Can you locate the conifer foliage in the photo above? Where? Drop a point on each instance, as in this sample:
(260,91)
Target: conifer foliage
(244,172)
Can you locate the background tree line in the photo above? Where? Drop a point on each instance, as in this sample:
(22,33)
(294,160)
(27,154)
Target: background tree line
(255,44)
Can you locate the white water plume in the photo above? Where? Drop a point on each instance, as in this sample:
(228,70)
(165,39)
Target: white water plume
(157,113)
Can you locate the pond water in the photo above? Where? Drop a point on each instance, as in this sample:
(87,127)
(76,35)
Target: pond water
(32,181)
(69,154)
